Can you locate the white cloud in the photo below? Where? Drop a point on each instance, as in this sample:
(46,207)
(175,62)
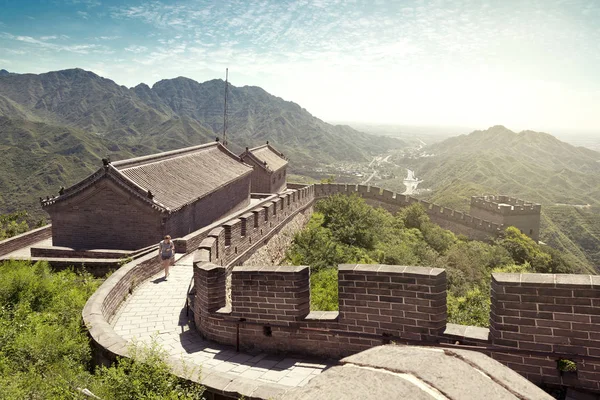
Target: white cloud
(107,37)
(136,49)
(44,45)
(83,14)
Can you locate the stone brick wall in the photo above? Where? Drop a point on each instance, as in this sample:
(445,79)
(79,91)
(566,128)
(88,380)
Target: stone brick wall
(551,313)
(233,242)
(105,217)
(456,221)
(273,252)
(25,239)
(508,211)
(270,308)
(535,320)
(264,181)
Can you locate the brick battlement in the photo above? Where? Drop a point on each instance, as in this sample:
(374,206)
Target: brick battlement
(232,242)
(271,307)
(536,319)
(456,221)
(505,205)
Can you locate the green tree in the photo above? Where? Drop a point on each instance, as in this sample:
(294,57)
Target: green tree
(13,224)
(351,220)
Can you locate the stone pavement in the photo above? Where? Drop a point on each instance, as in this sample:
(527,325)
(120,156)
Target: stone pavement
(156,309)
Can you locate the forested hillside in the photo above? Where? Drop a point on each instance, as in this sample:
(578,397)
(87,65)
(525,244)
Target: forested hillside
(530,165)
(345,230)
(55,127)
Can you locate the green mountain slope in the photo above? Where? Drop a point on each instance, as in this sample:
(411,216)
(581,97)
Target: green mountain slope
(37,159)
(56,126)
(185,109)
(530,165)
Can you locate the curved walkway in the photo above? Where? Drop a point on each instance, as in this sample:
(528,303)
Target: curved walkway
(156,309)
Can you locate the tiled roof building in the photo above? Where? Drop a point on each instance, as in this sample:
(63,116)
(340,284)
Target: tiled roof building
(270,169)
(133,203)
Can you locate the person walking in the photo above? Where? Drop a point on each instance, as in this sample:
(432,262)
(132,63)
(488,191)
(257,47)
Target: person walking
(166,252)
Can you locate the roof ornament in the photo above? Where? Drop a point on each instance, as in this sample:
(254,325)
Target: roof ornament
(150,195)
(41,200)
(106,161)
(217,139)
(246,148)
(267,142)
(61,191)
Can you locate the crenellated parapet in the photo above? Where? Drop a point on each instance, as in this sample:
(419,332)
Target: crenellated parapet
(535,320)
(473,226)
(505,205)
(509,211)
(232,242)
(270,307)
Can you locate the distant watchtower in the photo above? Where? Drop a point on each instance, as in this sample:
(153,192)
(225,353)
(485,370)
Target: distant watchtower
(508,211)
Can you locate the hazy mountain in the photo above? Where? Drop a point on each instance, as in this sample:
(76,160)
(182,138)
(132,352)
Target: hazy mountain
(531,165)
(182,108)
(56,126)
(4,72)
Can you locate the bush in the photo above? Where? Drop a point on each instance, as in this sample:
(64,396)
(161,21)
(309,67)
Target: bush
(45,353)
(324,290)
(145,375)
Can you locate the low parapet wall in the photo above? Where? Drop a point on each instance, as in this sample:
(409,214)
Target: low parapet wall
(536,319)
(555,314)
(25,239)
(270,308)
(456,221)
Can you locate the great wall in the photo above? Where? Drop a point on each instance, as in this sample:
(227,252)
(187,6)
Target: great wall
(535,319)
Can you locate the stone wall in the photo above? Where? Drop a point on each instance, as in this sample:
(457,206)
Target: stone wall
(536,319)
(105,216)
(234,242)
(25,239)
(508,211)
(273,252)
(270,308)
(558,315)
(458,222)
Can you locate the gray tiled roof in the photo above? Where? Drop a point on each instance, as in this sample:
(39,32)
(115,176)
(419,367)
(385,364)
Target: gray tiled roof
(175,178)
(274,159)
(179,177)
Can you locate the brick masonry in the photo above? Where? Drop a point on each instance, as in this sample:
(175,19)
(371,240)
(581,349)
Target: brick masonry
(25,239)
(535,320)
(474,226)
(105,216)
(551,313)
(271,307)
(264,181)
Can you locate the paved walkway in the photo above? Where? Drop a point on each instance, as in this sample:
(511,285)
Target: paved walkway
(157,309)
(24,253)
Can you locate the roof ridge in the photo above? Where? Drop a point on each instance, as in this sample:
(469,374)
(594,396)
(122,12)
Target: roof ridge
(143,160)
(259,147)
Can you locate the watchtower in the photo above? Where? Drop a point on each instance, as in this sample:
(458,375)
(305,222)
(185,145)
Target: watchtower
(508,211)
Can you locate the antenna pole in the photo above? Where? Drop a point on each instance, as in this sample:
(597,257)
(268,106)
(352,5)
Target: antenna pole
(225,111)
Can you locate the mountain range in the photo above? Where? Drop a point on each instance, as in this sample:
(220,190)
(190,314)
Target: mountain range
(534,166)
(56,126)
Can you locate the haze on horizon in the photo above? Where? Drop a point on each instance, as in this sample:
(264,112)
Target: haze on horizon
(525,65)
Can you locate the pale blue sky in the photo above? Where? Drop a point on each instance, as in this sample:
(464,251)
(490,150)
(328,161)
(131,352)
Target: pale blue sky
(524,64)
